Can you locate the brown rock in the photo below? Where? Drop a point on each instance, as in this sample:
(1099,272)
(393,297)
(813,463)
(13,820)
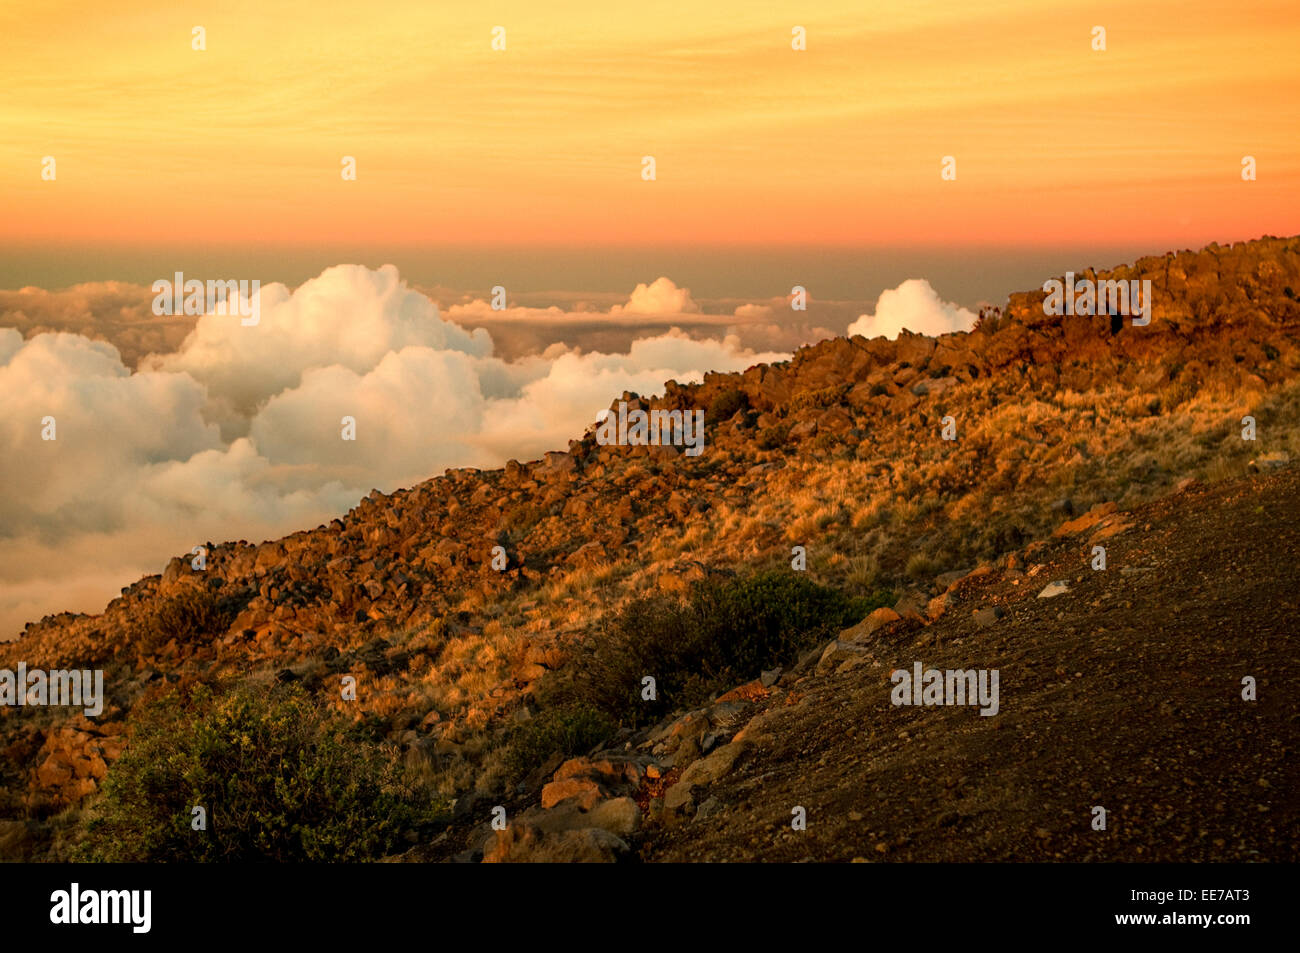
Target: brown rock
(1086,521)
(586,791)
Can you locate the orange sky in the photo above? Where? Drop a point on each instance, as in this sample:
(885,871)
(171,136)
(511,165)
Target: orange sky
(755,143)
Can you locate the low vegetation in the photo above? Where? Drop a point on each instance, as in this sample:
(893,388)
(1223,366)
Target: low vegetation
(278,778)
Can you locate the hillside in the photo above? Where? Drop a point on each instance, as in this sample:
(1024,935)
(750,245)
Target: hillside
(839,451)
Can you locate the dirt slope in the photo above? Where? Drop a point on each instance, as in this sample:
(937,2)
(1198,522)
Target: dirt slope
(1123,692)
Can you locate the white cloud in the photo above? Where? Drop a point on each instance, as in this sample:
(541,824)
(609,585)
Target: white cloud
(349,316)
(754,312)
(660,297)
(916,306)
(237,433)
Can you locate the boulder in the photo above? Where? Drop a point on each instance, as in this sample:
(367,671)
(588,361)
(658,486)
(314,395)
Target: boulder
(837,652)
(1053,589)
(874,622)
(585,792)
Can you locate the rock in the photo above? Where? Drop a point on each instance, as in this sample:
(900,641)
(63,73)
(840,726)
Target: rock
(608,772)
(806,661)
(759,729)
(709,769)
(555,464)
(586,791)
(1053,589)
(55,771)
(837,652)
(934,385)
(688,751)
(1270,461)
(1086,521)
(728,710)
(910,605)
(940,604)
(850,664)
(618,815)
(877,620)
(708,808)
(946,580)
(679,797)
(175,567)
(703,773)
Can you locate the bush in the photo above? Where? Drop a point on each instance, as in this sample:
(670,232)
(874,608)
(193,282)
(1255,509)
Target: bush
(921,566)
(773,437)
(718,634)
(279,779)
(192,613)
(568,730)
(726,403)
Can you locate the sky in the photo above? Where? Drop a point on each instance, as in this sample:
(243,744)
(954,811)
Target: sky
(540,145)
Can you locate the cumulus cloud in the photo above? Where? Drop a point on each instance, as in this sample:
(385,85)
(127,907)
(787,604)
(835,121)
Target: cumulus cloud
(350,317)
(237,433)
(113,311)
(916,306)
(660,297)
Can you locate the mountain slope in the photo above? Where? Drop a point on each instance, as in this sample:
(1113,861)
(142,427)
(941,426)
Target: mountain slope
(839,451)
(1124,692)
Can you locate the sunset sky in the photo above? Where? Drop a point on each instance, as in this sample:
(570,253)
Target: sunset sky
(756,144)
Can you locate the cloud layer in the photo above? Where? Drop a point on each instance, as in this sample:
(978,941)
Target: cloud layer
(238,432)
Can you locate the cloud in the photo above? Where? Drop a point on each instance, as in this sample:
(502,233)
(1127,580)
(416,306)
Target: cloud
(237,433)
(349,316)
(112,311)
(754,312)
(660,297)
(916,306)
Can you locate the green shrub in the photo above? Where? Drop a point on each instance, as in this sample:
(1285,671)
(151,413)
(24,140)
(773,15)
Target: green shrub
(820,398)
(193,612)
(773,437)
(568,730)
(726,403)
(719,634)
(279,778)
